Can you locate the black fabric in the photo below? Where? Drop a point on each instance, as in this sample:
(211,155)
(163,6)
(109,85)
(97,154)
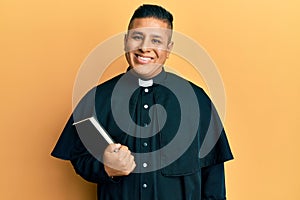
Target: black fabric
(188,177)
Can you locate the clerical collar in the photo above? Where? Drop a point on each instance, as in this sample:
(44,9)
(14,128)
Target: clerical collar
(146,83)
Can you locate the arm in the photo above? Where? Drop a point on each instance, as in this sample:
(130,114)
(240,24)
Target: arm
(118,163)
(89,168)
(213,182)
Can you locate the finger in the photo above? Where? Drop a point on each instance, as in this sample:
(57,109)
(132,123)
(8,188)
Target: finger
(128,157)
(129,162)
(124,155)
(132,159)
(133,166)
(113,147)
(123,151)
(124,148)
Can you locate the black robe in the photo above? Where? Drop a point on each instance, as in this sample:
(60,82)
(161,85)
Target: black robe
(187,176)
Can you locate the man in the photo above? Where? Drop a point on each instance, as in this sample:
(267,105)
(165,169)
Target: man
(145,162)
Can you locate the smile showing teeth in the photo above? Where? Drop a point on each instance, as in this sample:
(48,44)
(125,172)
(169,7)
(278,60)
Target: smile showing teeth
(144,58)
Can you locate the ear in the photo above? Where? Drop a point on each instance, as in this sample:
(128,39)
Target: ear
(170,46)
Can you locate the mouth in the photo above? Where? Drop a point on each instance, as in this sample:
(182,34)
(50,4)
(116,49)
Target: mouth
(143,59)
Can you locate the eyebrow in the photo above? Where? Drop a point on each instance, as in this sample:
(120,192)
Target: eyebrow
(137,32)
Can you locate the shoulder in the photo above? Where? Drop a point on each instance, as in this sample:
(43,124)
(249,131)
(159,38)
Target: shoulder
(199,91)
(107,85)
(102,90)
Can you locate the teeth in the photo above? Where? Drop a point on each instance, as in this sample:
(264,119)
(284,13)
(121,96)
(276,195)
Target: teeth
(144,59)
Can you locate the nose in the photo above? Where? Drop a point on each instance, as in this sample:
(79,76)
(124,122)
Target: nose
(145,46)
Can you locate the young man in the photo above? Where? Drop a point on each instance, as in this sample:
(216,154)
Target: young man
(154,157)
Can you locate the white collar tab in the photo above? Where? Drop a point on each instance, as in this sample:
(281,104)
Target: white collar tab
(146,83)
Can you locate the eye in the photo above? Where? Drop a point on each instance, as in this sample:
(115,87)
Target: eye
(137,37)
(156,41)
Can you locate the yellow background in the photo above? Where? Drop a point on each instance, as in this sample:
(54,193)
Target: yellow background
(255,45)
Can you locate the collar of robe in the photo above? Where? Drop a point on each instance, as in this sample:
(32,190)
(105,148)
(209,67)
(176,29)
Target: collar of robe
(149,82)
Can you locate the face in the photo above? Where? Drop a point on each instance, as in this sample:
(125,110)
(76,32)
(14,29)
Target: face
(147,46)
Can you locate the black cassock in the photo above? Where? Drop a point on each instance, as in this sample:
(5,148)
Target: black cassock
(168,167)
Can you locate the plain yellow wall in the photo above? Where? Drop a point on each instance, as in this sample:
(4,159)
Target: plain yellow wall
(255,45)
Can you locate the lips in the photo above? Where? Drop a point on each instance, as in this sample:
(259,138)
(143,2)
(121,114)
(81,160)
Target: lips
(143,59)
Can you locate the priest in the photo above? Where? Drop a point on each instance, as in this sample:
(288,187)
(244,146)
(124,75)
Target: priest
(169,142)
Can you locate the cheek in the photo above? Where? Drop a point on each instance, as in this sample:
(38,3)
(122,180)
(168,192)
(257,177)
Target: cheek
(162,54)
(131,46)
(129,58)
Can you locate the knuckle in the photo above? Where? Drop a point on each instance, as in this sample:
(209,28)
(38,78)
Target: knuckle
(124,148)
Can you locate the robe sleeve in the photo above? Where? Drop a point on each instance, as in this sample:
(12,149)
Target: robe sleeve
(70,147)
(213,182)
(66,142)
(64,148)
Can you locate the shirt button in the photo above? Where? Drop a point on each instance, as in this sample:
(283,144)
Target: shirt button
(145,185)
(145,144)
(146,106)
(145,165)
(146,90)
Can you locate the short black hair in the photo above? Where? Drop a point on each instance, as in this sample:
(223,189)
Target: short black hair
(155,11)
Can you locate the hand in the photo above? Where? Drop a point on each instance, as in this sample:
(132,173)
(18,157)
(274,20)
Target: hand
(118,160)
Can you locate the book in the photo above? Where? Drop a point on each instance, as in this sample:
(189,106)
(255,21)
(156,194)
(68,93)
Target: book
(94,137)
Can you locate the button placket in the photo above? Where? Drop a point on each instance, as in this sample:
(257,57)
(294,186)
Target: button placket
(145,106)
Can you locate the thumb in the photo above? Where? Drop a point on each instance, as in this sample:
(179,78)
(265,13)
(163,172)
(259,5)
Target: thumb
(114,147)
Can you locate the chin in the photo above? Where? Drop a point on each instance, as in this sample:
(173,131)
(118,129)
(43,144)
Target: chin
(140,71)
(147,70)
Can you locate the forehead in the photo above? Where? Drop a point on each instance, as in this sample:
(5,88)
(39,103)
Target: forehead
(148,22)
(149,26)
